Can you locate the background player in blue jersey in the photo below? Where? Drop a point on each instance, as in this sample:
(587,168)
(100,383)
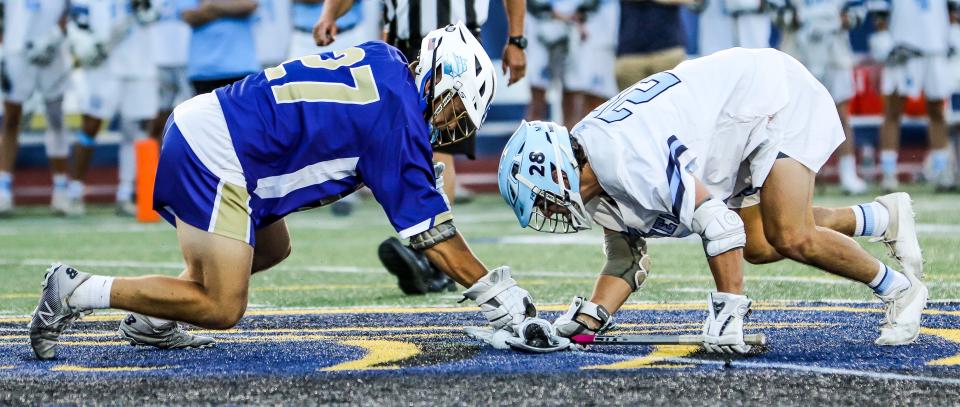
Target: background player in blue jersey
(297,136)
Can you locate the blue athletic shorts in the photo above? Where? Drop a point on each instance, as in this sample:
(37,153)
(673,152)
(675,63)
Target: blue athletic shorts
(188,190)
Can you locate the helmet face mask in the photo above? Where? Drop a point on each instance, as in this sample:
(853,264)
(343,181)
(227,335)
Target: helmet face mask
(458,68)
(540,179)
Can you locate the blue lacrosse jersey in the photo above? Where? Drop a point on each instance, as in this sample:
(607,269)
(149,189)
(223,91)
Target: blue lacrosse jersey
(317,128)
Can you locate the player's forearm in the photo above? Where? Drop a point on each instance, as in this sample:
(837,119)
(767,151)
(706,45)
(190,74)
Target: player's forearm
(200,15)
(516,11)
(727,270)
(455,259)
(234,8)
(334,9)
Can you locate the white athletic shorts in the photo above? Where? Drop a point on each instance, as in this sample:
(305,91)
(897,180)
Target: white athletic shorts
(592,61)
(547,51)
(929,73)
(105,94)
(173,86)
(807,129)
(20,78)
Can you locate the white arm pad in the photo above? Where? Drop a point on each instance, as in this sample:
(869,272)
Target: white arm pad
(720,228)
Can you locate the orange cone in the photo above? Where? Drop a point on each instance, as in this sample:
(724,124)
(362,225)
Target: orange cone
(148,157)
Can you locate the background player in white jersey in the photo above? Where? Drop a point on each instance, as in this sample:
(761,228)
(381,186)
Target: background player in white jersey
(170,38)
(361,22)
(272,29)
(564,34)
(912,41)
(35,61)
(111,42)
(550,28)
(676,152)
(592,76)
(820,40)
(733,23)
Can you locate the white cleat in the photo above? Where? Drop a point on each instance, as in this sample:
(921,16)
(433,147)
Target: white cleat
(903,311)
(6,203)
(59,201)
(53,315)
(140,331)
(853,185)
(75,207)
(901,234)
(126,209)
(889,183)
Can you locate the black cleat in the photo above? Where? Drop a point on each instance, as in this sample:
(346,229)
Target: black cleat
(411,267)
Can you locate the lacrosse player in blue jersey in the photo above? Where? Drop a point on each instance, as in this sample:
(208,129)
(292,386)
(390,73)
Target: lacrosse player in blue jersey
(297,136)
(726,147)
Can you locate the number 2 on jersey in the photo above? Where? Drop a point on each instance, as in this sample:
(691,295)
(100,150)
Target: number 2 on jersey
(643,92)
(363,92)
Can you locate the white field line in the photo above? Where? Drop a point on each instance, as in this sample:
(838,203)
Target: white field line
(824,370)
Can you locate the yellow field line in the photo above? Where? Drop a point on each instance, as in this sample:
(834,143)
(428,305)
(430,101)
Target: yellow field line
(379,354)
(659,354)
(695,306)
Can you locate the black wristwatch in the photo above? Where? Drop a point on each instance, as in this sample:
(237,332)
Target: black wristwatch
(519,41)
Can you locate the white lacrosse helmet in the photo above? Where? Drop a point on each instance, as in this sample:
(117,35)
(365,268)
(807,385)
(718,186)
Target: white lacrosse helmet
(452,63)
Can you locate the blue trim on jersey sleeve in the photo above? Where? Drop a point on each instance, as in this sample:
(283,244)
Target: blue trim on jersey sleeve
(674,175)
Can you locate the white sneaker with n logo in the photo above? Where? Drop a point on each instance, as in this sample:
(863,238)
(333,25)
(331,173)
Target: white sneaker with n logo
(53,315)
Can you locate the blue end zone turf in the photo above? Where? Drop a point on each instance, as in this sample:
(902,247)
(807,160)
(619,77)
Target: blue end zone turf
(803,338)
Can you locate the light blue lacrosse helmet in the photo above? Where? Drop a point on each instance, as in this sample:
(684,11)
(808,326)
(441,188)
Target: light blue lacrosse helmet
(538,171)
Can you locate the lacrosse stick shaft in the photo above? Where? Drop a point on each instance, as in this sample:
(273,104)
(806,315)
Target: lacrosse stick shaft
(752,339)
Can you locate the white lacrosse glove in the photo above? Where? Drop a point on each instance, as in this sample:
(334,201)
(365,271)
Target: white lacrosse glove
(567,324)
(533,335)
(85,47)
(881,45)
(42,51)
(438,168)
(723,329)
(501,301)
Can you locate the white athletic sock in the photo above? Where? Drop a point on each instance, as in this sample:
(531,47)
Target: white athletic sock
(6,182)
(939,160)
(872,219)
(848,166)
(888,280)
(127,171)
(92,294)
(75,189)
(60,180)
(888,163)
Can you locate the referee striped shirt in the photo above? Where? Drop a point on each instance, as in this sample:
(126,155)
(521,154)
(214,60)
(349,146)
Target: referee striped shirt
(411,20)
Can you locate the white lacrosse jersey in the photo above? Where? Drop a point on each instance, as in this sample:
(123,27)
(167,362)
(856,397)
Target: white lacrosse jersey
(29,19)
(170,36)
(823,13)
(272,28)
(112,22)
(648,143)
(921,24)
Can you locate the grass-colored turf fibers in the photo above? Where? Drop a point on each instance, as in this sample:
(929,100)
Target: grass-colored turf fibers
(334,259)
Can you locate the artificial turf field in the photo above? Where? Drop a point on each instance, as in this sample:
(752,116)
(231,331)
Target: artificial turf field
(329,325)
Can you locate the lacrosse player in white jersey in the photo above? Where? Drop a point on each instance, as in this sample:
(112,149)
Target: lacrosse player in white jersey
(687,150)
(912,42)
(35,61)
(110,40)
(733,23)
(820,40)
(170,37)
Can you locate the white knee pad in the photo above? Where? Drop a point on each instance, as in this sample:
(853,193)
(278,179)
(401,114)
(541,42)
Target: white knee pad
(55,140)
(720,228)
